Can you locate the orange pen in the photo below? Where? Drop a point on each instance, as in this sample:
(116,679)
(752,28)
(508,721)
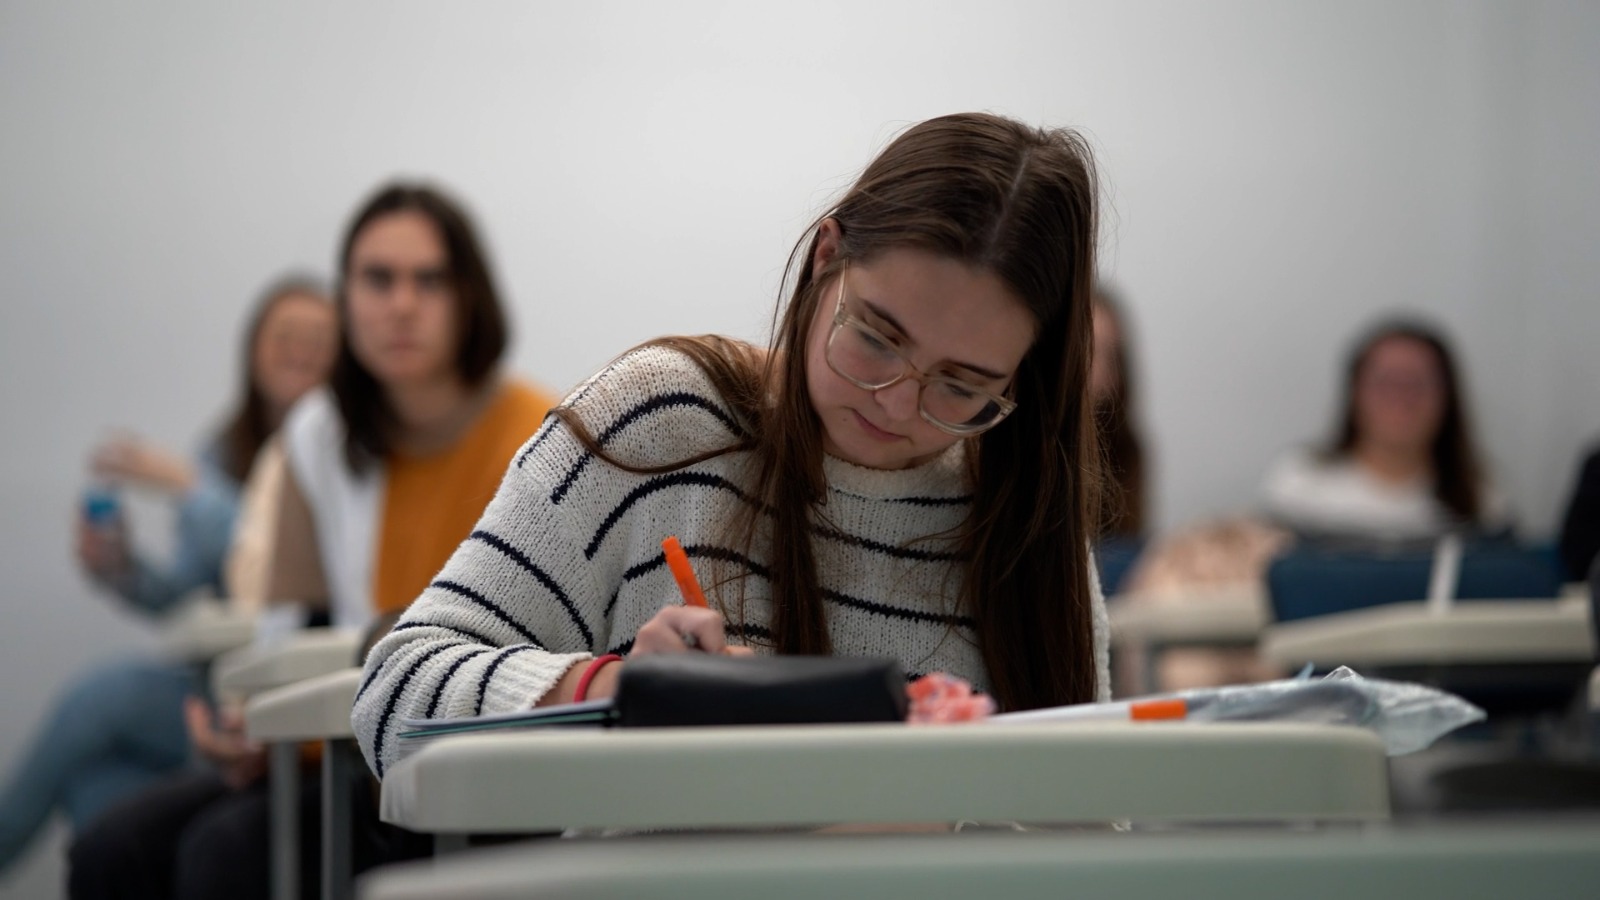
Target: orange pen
(683,573)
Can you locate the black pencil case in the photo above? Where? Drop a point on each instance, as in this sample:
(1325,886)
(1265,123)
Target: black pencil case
(706,689)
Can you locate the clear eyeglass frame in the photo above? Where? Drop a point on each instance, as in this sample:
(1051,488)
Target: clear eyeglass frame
(1003,406)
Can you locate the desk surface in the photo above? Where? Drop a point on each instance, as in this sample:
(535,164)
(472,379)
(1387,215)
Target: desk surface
(711,777)
(1471,632)
(315,651)
(206,629)
(310,710)
(1230,615)
(1440,863)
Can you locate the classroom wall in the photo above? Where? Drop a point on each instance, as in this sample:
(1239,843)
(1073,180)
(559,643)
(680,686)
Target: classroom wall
(1276,174)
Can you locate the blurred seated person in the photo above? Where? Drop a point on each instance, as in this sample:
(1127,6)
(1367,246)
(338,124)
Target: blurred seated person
(1580,529)
(1121,532)
(374,481)
(1580,536)
(1201,563)
(1403,465)
(118,726)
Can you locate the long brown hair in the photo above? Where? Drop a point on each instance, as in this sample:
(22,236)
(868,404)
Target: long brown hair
(370,421)
(253,421)
(1005,198)
(1122,505)
(1458,476)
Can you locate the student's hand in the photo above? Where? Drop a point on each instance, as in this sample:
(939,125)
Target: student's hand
(125,458)
(670,631)
(238,760)
(103,550)
(682,629)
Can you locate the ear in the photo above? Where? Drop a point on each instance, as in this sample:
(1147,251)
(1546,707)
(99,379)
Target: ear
(827,245)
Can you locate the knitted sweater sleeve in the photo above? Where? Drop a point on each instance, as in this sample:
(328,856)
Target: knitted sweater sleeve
(512,610)
(530,592)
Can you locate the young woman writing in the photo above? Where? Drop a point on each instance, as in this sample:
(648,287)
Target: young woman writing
(908,471)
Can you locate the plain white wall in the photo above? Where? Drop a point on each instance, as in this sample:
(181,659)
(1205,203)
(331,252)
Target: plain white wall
(1277,174)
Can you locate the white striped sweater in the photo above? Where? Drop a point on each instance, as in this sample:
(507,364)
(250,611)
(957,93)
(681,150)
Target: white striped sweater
(566,562)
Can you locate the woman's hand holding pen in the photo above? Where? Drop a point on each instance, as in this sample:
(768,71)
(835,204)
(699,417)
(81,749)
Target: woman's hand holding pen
(689,628)
(692,626)
(681,629)
(675,629)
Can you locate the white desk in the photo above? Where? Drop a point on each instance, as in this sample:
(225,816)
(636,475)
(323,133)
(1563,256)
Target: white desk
(317,709)
(1523,860)
(773,776)
(315,651)
(205,629)
(247,671)
(1472,632)
(1229,616)
(1232,615)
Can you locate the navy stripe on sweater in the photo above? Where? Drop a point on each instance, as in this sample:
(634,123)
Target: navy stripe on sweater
(465,592)
(931,501)
(653,486)
(695,551)
(654,404)
(896,612)
(438,689)
(734,630)
(549,425)
(372,674)
(488,673)
(464,632)
(833,534)
(394,700)
(543,578)
(882,609)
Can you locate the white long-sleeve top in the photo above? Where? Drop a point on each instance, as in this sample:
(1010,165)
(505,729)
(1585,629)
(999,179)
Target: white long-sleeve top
(1324,497)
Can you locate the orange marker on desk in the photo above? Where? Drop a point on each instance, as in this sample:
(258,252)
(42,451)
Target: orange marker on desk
(1157,709)
(683,573)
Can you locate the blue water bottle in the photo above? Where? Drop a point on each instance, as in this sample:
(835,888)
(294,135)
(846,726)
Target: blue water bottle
(101,507)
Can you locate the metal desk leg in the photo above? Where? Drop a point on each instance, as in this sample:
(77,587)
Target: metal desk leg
(338,776)
(284,757)
(1150,667)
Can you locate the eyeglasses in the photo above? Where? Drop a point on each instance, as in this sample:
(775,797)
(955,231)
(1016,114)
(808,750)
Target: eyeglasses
(865,357)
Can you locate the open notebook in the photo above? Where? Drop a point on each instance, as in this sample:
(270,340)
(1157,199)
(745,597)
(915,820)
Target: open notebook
(590,714)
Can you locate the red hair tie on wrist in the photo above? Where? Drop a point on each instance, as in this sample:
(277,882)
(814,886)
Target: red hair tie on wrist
(595,665)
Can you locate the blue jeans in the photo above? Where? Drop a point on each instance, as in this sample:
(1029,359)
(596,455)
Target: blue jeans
(116,729)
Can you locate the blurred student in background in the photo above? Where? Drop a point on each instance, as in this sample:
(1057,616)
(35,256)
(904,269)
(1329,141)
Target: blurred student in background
(1122,510)
(119,727)
(1580,527)
(1121,529)
(387,471)
(1403,464)
(1580,536)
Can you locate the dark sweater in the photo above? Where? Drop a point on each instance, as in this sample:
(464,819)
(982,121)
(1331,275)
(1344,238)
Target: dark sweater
(1580,532)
